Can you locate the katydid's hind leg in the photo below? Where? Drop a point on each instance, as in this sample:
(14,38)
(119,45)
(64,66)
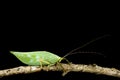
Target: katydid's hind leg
(43,61)
(40,63)
(50,65)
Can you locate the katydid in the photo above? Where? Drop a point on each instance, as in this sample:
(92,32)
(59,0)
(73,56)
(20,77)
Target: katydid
(42,58)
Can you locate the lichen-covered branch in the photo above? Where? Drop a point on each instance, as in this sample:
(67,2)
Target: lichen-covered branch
(62,67)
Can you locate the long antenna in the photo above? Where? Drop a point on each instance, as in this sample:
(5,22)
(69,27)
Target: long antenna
(71,52)
(87,52)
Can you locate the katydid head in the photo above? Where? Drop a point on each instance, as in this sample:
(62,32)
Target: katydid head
(60,59)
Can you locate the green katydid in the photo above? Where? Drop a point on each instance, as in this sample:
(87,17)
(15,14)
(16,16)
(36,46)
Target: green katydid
(42,58)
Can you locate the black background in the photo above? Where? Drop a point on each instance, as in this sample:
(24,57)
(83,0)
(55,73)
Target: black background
(60,33)
(60,41)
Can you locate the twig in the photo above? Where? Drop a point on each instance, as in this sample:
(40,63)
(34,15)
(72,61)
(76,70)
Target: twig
(62,67)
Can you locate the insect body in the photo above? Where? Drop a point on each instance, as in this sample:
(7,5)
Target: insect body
(45,58)
(37,58)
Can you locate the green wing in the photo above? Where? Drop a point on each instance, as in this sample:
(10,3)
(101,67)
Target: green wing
(36,57)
